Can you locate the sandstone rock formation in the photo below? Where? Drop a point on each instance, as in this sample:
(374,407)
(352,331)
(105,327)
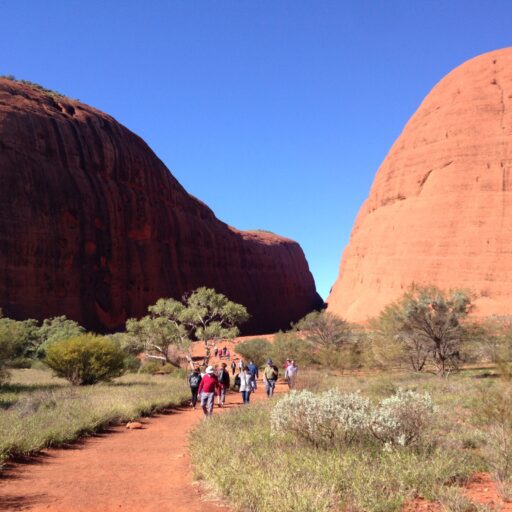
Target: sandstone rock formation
(94,226)
(440,208)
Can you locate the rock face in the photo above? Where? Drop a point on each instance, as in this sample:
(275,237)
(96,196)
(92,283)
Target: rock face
(94,226)
(440,208)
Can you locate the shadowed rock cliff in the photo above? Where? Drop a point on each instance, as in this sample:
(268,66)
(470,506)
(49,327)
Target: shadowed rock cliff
(94,226)
(440,208)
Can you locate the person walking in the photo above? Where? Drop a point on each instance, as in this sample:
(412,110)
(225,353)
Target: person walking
(290,374)
(233,367)
(216,351)
(224,382)
(254,372)
(270,375)
(241,364)
(245,384)
(224,351)
(208,386)
(194,379)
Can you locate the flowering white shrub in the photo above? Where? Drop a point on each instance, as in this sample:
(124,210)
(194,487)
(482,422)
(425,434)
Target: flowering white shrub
(289,415)
(332,417)
(402,418)
(327,418)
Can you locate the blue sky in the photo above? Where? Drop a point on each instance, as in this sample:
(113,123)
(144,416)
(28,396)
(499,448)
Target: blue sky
(275,113)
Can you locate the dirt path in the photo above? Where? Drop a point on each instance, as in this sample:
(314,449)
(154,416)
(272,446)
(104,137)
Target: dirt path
(137,470)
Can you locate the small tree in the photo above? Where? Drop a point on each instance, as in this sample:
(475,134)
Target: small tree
(203,315)
(257,350)
(54,330)
(86,359)
(335,342)
(325,330)
(429,324)
(287,345)
(212,316)
(157,334)
(20,335)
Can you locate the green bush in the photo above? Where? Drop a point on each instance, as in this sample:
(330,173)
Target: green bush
(131,364)
(86,359)
(20,362)
(257,350)
(150,367)
(288,345)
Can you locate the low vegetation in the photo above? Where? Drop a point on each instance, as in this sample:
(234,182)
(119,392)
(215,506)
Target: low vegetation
(364,444)
(37,86)
(38,410)
(86,359)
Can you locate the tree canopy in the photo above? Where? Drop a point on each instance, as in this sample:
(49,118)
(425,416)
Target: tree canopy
(429,325)
(203,315)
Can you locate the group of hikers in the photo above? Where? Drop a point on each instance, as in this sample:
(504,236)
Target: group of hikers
(207,382)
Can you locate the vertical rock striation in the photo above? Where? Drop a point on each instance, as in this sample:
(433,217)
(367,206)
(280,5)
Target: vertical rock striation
(440,208)
(94,226)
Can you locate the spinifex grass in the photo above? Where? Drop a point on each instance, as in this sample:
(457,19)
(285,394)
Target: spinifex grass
(262,472)
(39,411)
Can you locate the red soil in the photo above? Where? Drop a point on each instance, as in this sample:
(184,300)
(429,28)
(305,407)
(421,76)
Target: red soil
(128,470)
(481,489)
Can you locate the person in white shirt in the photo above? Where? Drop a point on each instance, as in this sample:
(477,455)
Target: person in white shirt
(245,384)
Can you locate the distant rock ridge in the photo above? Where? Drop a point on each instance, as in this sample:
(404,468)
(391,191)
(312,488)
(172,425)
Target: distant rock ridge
(94,226)
(440,208)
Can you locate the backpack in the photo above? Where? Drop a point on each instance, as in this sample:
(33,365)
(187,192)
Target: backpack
(236,385)
(194,380)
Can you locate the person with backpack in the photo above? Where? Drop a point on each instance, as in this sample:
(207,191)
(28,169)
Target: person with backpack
(224,382)
(233,367)
(194,379)
(270,375)
(290,374)
(254,373)
(208,387)
(245,384)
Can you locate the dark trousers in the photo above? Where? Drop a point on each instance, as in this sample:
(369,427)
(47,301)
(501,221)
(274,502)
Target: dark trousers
(194,396)
(246,395)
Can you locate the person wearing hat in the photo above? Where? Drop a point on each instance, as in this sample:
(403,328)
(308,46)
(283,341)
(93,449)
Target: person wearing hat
(207,388)
(270,375)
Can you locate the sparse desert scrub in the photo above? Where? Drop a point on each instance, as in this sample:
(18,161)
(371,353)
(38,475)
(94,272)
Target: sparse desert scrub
(289,472)
(38,411)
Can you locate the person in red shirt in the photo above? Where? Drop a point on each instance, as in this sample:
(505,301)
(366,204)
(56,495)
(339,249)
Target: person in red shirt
(207,388)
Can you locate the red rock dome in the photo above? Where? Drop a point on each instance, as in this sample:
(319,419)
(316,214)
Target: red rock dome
(94,226)
(440,208)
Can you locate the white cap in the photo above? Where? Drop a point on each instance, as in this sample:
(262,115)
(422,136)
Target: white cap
(210,369)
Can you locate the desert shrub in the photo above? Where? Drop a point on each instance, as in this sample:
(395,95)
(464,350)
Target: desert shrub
(288,345)
(326,419)
(150,367)
(403,418)
(429,326)
(86,359)
(334,418)
(56,329)
(131,364)
(256,349)
(495,409)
